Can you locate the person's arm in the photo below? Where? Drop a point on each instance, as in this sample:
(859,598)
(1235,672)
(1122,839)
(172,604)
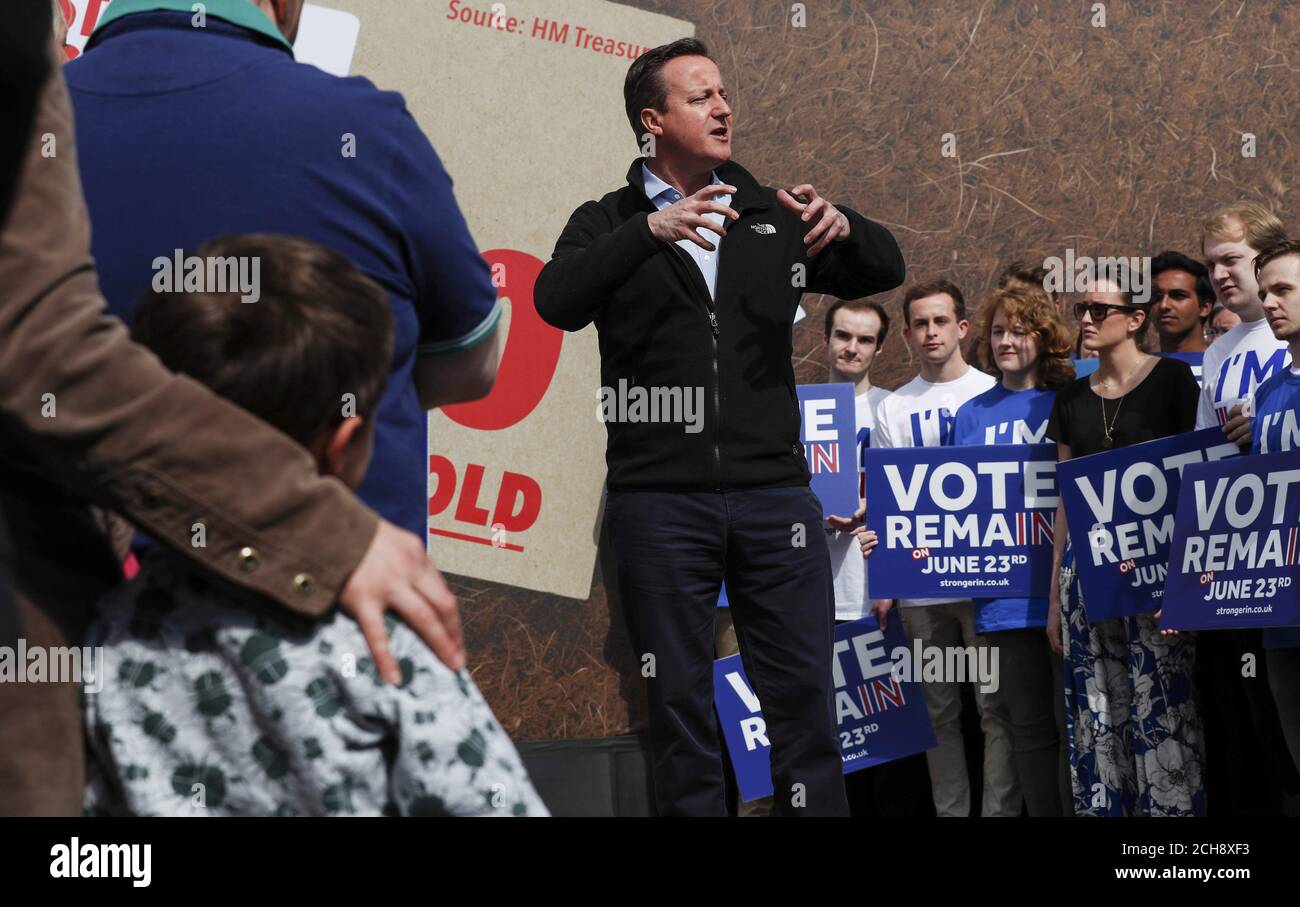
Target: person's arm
(589,263)
(866,261)
(461,376)
(102,415)
(1058,430)
(451,284)
(1060,533)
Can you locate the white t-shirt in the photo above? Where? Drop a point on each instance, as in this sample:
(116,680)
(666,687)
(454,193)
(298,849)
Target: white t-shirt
(1234,365)
(921,414)
(847,563)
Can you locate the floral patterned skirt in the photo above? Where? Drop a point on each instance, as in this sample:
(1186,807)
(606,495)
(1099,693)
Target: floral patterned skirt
(1136,744)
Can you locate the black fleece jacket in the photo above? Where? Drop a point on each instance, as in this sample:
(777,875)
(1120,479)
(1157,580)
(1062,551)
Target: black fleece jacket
(658,329)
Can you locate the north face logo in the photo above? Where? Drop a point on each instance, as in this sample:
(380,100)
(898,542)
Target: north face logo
(763,228)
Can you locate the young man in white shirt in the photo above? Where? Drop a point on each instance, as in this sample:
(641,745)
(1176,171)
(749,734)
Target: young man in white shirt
(1248,354)
(921,413)
(1242,732)
(855,332)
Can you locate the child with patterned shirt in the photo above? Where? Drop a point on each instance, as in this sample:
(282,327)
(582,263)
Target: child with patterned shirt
(214,704)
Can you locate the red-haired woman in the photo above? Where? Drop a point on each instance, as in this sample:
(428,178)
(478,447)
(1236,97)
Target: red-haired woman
(1024,342)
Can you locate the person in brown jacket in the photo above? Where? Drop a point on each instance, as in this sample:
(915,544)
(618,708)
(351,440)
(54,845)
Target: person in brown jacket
(87,416)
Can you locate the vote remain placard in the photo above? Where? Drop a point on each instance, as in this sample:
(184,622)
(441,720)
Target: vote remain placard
(961,521)
(829,434)
(1120,506)
(1233,561)
(879,711)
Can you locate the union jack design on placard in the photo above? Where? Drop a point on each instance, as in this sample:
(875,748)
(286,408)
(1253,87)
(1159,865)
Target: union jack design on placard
(881,694)
(1033,528)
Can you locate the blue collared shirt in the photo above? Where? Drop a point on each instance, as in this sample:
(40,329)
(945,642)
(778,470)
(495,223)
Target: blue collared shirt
(662,195)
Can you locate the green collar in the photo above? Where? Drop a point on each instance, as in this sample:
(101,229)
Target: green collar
(237,12)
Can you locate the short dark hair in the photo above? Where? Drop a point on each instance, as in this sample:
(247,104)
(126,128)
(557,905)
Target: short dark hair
(1177,261)
(1277,250)
(644,85)
(933,288)
(319,330)
(858,305)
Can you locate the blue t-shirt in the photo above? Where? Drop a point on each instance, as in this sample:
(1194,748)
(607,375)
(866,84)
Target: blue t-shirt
(1000,416)
(1275,428)
(185,134)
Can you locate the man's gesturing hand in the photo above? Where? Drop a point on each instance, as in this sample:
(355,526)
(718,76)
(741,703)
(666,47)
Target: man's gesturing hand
(395,575)
(684,217)
(829,225)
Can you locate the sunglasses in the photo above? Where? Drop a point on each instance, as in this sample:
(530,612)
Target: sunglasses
(1099,311)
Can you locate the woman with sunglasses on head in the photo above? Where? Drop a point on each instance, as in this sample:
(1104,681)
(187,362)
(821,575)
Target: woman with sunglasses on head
(1024,342)
(1134,734)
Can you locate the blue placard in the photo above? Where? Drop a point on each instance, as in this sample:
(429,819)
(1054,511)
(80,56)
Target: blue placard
(965,521)
(881,713)
(1085,367)
(1120,508)
(1233,562)
(829,434)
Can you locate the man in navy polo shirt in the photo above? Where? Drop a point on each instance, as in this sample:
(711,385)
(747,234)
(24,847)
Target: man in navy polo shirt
(194,125)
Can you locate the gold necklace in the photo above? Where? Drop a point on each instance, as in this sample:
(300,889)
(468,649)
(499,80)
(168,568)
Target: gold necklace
(1108,429)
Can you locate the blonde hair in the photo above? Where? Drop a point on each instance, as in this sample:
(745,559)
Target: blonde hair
(1247,222)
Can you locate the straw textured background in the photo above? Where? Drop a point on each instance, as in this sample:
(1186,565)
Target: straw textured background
(1110,141)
